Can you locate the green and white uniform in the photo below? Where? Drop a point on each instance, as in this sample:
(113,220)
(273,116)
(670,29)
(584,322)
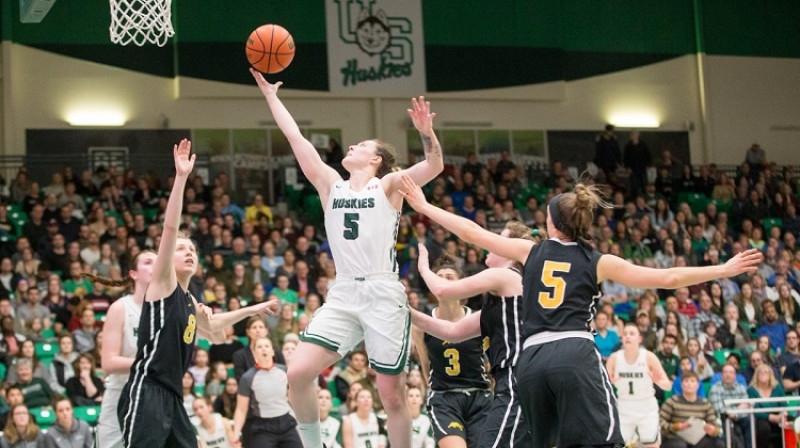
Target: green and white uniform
(366,301)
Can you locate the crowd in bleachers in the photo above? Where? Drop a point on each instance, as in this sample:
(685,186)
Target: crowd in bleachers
(51,316)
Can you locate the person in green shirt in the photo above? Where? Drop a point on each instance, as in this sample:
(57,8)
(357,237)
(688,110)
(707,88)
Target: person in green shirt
(284,293)
(669,360)
(77,285)
(36,391)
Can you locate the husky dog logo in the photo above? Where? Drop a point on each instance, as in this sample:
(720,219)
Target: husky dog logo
(385,39)
(372,32)
(456,425)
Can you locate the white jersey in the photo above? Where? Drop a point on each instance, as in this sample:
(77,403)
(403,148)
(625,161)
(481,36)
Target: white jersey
(330,430)
(216,438)
(129,342)
(634,381)
(366,436)
(362,229)
(421,431)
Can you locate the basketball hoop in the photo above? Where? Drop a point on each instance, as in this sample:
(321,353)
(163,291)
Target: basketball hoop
(141,21)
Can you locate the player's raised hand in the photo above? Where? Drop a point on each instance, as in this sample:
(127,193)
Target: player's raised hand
(269,308)
(266,87)
(412,193)
(206,310)
(184,159)
(746,261)
(421,114)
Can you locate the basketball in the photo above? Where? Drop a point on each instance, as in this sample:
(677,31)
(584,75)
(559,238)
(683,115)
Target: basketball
(270,48)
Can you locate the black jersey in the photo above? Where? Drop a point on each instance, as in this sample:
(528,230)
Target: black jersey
(167,330)
(560,290)
(457,365)
(500,322)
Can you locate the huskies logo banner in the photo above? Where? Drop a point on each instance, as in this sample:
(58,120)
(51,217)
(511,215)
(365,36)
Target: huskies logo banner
(375,47)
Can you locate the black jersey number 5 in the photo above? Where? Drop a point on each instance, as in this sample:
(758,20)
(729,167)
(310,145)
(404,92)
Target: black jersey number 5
(350,226)
(556,298)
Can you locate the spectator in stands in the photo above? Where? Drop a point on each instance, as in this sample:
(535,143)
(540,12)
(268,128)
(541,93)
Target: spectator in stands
(259,207)
(84,336)
(355,371)
(239,284)
(10,343)
(705,314)
(765,385)
(686,306)
(20,430)
(286,324)
(678,409)
(225,404)
(36,391)
(61,368)
(730,389)
(637,159)
(734,334)
(700,363)
(286,295)
(32,308)
(55,257)
(85,388)
(772,326)
(607,340)
(756,157)
(607,155)
(287,268)
(669,360)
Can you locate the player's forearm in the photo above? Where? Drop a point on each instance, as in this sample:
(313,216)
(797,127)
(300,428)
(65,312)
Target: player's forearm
(283,118)
(433,151)
(436,284)
(462,227)
(441,329)
(680,277)
(221,321)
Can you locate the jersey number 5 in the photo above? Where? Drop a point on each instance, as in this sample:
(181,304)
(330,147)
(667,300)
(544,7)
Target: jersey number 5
(350,226)
(452,356)
(554,300)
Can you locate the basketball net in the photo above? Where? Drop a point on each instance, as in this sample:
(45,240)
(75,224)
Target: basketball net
(141,22)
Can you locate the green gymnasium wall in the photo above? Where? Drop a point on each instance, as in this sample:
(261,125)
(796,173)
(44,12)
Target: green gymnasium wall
(468,44)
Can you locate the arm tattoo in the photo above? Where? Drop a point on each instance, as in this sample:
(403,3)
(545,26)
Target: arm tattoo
(430,148)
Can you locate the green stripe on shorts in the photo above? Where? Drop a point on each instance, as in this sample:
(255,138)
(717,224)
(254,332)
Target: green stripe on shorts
(396,368)
(320,340)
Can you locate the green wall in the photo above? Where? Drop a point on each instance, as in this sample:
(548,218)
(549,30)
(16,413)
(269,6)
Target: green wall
(468,44)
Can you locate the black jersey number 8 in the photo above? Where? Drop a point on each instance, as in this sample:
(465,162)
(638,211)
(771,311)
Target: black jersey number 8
(350,226)
(554,300)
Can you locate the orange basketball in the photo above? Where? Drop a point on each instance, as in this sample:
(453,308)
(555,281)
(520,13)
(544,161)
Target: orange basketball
(270,48)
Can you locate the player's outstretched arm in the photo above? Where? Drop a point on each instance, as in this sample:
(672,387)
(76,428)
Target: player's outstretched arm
(629,274)
(321,175)
(164,279)
(512,249)
(426,170)
(491,280)
(212,326)
(467,328)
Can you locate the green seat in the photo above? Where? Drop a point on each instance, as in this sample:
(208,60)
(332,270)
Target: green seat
(312,208)
(89,414)
(698,203)
(723,206)
(46,349)
(231,372)
(243,340)
(100,317)
(199,390)
(769,223)
(150,214)
(721,355)
(203,343)
(44,417)
(3,371)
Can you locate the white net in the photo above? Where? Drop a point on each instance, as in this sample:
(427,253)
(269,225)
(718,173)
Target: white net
(141,22)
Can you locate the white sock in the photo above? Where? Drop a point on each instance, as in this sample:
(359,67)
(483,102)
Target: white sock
(311,434)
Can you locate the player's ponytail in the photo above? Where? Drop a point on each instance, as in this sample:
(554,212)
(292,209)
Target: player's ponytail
(126,282)
(573,213)
(388,154)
